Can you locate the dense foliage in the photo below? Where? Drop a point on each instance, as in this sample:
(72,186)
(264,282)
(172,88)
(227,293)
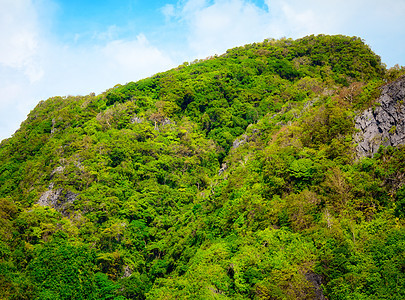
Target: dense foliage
(232,177)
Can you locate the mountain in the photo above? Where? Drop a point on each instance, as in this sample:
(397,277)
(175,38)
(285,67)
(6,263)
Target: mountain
(273,171)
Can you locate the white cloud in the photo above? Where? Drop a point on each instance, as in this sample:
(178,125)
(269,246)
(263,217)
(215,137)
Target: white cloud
(34,66)
(380,23)
(295,21)
(19,35)
(192,6)
(213,28)
(95,68)
(111,33)
(168,11)
(136,56)
(19,61)
(218,25)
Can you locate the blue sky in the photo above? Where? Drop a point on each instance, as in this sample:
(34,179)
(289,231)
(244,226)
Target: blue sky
(71,47)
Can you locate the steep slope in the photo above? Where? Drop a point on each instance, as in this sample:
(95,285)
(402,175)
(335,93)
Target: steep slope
(232,177)
(385,123)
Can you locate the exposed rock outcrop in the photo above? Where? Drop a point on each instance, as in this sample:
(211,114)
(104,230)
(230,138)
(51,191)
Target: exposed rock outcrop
(159,121)
(127,272)
(316,281)
(224,167)
(57,198)
(384,124)
(245,138)
(136,119)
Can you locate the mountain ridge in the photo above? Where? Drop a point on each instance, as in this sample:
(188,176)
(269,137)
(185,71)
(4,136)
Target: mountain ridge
(233,177)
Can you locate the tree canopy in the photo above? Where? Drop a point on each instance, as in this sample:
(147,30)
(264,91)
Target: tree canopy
(230,177)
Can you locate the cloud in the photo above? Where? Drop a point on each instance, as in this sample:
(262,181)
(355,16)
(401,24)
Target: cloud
(215,27)
(292,19)
(35,66)
(168,11)
(110,34)
(20,40)
(380,23)
(135,57)
(95,68)
(20,66)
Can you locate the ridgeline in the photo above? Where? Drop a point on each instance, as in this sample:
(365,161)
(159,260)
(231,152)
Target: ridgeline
(256,174)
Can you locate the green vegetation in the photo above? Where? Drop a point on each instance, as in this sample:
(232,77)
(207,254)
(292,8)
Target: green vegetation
(231,177)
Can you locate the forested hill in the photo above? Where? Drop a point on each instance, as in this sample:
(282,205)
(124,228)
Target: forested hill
(234,177)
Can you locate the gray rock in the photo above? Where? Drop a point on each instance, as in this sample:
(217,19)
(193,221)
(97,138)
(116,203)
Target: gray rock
(127,272)
(240,141)
(136,119)
(53,126)
(167,121)
(57,198)
(224,167)
(316,281)
(163,122)
(57,170)
(384,124)
(245,138)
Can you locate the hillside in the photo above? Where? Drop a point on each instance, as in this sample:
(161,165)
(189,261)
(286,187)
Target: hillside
(256,174)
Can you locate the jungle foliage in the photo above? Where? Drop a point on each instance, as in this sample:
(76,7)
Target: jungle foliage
(231,177)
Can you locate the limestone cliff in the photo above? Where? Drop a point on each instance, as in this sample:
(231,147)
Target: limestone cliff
(383,124)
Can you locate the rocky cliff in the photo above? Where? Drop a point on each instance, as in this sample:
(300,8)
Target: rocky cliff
(383,124)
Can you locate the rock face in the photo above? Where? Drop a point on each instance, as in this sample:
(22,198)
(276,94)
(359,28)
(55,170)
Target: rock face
(316,281)
(136,119)
(384,124)
(57,198)
(244,139)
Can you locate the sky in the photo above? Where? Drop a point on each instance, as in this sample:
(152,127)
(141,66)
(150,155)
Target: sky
(76,47)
